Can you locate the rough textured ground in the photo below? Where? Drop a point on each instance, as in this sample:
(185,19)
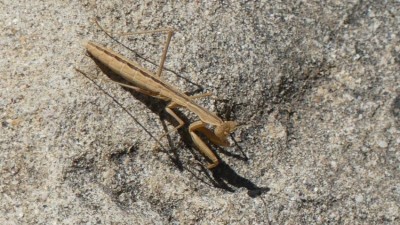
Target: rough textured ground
(316,82)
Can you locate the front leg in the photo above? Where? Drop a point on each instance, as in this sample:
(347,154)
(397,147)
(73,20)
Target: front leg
(203,148)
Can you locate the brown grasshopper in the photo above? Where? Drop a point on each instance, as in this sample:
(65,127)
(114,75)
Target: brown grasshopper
(143,81)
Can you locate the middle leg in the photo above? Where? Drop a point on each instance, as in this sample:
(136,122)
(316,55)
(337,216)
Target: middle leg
(169,110)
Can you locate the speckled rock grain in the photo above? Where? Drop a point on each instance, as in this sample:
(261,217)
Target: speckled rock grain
(316,83)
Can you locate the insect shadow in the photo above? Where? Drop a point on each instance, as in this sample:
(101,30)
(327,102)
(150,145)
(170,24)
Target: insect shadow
(223,176)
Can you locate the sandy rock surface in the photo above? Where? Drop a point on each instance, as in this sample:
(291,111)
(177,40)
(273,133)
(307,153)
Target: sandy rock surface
(316,84)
